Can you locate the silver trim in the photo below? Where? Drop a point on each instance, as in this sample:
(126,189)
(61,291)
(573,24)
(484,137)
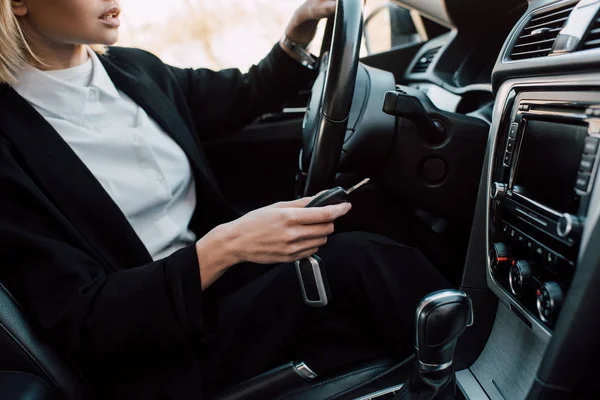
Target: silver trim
(294,110)
(532,217)
(304,371)
(323,299)
(575,28)
(498,190)
(469,386)
(533,203)
(434,367)
(568,229)
(544,84)
(381,393)
(593,215)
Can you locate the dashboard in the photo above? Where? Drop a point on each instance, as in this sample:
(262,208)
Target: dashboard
(539,202)
(533,246)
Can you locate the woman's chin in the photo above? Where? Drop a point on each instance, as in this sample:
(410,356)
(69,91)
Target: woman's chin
(108,38)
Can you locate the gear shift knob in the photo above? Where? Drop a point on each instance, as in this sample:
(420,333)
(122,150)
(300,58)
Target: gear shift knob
(441,318)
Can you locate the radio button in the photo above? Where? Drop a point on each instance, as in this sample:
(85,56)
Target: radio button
(514,127)
(583,181)
(551,258)
(568,226)
(591,146)
(510,145)
(507,158)
(540,252)
(587,163)
(529,245)
(498,190)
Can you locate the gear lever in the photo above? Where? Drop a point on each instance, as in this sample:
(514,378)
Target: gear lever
(441,318)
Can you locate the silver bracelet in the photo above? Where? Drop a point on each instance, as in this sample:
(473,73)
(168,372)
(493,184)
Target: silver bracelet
(303,55)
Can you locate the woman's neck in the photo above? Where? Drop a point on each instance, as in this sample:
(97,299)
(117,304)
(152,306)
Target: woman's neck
(52,56)
(55,58)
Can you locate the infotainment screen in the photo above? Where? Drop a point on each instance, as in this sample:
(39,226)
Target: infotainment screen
(548,163)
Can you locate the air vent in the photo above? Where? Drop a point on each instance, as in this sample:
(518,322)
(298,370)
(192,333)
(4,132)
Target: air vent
(538,37)
(425,60)
(592,39)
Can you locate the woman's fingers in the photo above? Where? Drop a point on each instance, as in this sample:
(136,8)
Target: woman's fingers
(314,231)
(304,254)
(317,215)
(298,203)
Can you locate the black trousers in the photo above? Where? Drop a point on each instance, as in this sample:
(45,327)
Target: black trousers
(375,285)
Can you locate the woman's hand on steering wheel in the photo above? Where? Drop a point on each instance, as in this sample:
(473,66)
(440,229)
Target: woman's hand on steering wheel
(303,25)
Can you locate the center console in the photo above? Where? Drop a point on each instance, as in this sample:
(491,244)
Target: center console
(543,171)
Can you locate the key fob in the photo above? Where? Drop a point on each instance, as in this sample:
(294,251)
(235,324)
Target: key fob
(331,197)
(313,281)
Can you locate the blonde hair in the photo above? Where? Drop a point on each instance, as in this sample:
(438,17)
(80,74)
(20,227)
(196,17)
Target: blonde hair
(15,52)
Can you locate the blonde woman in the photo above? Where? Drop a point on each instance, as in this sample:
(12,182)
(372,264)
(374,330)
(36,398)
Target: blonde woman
(116,240)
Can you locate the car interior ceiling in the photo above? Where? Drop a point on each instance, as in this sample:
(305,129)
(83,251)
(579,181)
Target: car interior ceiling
(481,141)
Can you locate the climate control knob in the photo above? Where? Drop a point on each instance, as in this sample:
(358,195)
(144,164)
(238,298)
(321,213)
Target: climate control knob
(500,259)
(520,277)
(569,226)
(550,299)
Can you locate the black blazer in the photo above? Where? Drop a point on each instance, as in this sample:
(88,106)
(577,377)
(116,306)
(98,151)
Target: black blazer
(67,253)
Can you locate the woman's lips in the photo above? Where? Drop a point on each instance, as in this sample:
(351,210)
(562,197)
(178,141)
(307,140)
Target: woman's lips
(111,17)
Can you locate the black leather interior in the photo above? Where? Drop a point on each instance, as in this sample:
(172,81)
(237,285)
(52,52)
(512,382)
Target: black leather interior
(22,349)
(342,383)
(23,386)
(32,370)
(267,385)
(285,383)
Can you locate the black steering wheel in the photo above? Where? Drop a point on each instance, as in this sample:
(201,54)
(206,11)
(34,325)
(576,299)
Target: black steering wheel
(326,118)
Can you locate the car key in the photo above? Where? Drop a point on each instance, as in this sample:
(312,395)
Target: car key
(310,270)
(336,195)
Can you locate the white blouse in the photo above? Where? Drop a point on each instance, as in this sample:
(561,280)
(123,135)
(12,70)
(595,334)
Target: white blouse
(143,170)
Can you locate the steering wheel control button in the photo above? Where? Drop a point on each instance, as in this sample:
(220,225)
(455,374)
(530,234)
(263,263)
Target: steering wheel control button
(550,299)
(498,191)
(500,259)
(568,226)
(520,277)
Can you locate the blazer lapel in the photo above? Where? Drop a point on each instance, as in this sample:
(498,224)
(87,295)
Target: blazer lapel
(69,184)
(144,92)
